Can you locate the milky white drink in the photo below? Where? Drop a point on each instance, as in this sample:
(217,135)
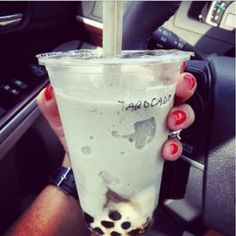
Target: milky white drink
(114,113)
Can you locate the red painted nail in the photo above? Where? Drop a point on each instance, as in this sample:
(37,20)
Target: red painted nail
(48,92)
(173,148)
(183,67)
(190,81)
(179,116)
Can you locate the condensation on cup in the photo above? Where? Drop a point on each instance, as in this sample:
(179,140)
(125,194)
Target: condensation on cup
(114,114)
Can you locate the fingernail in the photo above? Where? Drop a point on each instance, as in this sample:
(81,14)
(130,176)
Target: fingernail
(179,116)
(48,92)
(189,81)
(173,148)
(183,67)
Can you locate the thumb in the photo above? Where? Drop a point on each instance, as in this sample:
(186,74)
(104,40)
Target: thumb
(48,106)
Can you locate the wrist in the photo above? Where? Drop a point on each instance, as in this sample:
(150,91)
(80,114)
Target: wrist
(63,179)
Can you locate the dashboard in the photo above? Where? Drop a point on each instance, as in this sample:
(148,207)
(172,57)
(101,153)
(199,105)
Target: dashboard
(191,24)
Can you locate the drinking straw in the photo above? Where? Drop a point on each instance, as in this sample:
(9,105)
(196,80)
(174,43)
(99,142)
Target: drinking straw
(112,27)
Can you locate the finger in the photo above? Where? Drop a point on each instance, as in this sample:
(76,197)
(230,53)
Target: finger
(185,87)
(180,117)
(172,149)
(48,106)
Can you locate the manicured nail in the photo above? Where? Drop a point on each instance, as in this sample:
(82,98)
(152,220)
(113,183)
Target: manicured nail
(179,116)
(189,81)
(183,67)
(173,148)
(48,92)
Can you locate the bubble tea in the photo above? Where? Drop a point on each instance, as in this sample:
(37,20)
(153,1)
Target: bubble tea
(114,114)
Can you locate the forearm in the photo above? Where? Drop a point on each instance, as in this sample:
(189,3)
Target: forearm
(59,215)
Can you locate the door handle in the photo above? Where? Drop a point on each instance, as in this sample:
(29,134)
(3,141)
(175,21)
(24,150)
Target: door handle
(10,19)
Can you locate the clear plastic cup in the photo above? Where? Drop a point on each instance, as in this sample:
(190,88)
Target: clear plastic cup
(114,113)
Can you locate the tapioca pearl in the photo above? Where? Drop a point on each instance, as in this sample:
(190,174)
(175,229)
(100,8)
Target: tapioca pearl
(114,233)
(125,225)
(107,224)
(114,215)
(88,218)
(98,230)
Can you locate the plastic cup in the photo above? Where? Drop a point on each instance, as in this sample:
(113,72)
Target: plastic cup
(114,114)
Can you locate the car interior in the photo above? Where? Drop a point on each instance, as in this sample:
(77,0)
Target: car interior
(198,190)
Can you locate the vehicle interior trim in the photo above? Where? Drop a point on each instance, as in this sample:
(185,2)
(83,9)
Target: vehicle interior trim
(193,163)
(17,126)
(10,19)
(90,22)
(198,27)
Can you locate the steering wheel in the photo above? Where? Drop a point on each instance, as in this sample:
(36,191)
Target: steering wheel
(201,183)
